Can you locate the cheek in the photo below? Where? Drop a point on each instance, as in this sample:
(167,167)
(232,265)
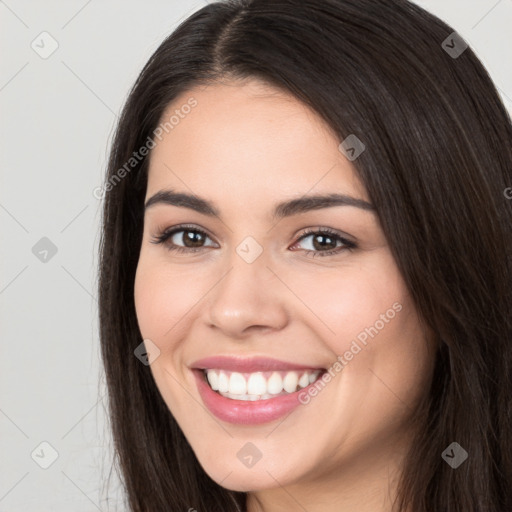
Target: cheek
(162,300)
(348,303)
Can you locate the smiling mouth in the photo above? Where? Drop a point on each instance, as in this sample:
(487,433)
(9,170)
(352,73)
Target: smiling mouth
(259,385)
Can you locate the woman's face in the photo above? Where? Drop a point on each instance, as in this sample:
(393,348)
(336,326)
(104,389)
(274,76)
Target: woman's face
(265,300)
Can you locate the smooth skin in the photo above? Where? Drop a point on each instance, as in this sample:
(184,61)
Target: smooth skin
(245,147)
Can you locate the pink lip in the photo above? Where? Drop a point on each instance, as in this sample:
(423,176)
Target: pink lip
(246,412)
(249,365)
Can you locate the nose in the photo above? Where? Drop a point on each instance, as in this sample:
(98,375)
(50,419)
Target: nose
(248,298)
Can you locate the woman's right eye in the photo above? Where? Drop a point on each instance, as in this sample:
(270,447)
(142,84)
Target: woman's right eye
(194,238)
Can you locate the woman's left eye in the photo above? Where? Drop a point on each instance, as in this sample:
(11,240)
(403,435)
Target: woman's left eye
(325,238)
(321,238)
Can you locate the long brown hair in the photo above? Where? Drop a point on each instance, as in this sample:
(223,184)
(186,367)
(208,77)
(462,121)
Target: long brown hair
(437,162)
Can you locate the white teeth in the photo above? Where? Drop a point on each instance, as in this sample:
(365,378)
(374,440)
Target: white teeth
(258,385)
(290,382)
(303,381)
(237,384)
(213,379)
(249,398)
(223,383)
(275,384)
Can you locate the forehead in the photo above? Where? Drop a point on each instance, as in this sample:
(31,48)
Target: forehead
(249,138)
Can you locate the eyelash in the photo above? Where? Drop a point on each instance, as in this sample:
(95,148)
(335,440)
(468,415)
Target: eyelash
(165,235)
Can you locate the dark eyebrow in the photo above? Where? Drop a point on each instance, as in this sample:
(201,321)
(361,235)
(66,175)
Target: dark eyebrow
(285,209)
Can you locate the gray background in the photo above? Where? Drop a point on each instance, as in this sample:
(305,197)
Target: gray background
(58,114)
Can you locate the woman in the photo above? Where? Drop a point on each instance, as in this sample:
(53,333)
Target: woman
(305,281)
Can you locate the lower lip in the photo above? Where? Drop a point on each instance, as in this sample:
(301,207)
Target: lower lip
(246,412)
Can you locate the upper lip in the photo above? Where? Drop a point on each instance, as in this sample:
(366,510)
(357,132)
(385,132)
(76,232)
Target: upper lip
(249,365)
